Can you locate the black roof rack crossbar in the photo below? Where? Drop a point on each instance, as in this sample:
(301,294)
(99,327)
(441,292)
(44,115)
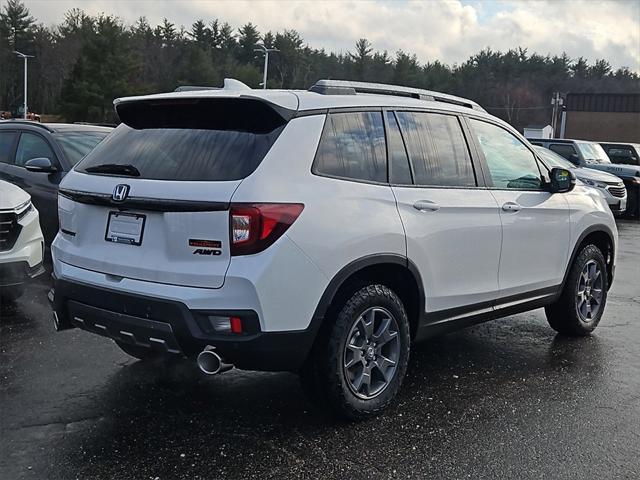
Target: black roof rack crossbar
(345,87)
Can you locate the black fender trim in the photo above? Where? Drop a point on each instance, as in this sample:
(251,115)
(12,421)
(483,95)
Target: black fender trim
(576,249)
(350,269)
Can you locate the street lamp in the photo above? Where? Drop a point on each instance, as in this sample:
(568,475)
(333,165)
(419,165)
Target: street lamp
(26,58)
(265,50)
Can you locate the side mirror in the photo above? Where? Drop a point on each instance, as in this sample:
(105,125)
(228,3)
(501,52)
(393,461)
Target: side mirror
(574,158)
(562,180)
(40,164)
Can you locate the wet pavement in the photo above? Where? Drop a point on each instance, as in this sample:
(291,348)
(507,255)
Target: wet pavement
(508,399)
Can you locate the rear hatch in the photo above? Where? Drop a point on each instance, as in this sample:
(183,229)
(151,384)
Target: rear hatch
(151,202)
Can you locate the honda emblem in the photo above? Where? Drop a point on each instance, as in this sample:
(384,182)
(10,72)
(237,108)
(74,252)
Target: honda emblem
(120,193)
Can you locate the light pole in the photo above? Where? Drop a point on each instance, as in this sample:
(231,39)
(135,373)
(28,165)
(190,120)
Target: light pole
(26,58)
(265,50)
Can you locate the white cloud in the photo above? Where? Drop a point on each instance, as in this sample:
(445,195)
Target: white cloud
(449,31)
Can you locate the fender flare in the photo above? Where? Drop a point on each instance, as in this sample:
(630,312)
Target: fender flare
(355,266)
(576,249)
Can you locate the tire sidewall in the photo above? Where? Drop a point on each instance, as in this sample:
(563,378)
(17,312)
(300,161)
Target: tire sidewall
(354,406)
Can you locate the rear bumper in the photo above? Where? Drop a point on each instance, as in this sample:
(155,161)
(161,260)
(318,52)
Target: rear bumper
(172,328)
(16,273)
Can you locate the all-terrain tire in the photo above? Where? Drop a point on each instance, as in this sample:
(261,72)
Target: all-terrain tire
(326,375)
(567,315)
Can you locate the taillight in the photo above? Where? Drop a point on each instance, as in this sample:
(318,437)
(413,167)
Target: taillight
(255,226)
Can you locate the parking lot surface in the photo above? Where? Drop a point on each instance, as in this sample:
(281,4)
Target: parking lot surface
(507,399)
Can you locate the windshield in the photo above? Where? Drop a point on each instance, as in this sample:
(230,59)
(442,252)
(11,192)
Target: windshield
(552,159)
(77,144)
(593,152)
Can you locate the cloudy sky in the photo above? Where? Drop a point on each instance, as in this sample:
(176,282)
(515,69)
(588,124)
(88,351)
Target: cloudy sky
(448,31)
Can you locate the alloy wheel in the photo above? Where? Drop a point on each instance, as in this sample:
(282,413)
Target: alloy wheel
(590,291)
(371,353)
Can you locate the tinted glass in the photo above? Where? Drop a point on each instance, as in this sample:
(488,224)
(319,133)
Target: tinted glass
(6,145)
(437,149)
(621,154)
(183,153)
(33,146)
(77,144)
(400,172)
(353,146)
(511,164)
(563,149)
(552,159)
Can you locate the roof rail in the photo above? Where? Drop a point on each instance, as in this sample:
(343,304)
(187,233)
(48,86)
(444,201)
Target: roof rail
(98,124)
(229,84)
(27,122)
(346,87)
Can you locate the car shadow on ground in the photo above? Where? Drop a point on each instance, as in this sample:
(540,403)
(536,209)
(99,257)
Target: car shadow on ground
(470,379)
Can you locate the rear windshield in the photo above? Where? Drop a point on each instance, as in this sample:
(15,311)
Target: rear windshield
(77,144)
(189,142)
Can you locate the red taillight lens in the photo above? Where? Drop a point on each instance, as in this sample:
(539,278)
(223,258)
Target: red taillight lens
(236,324)
(255,226)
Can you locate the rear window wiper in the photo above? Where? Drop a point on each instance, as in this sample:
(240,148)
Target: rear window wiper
(115,168)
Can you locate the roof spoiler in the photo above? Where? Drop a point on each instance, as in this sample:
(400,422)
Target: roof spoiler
(345,87)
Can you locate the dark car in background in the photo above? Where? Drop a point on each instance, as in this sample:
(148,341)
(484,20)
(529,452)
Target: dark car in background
(622,153)
(36,156)
(588,154)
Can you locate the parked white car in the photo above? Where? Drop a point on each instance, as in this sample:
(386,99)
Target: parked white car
(21,242)
(321,232)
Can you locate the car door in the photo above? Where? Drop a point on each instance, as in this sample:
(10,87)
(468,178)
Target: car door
(535,223)
(452,224)
(43,187)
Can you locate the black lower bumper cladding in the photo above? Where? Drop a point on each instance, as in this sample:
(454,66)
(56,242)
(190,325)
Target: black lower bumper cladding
(172,328)
(16,273)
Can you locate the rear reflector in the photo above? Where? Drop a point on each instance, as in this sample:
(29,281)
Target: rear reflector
(256,226)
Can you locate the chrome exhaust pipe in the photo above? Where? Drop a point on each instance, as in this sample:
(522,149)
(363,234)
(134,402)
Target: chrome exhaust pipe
(209,362)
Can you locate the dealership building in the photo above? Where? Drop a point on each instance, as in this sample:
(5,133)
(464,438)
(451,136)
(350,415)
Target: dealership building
(609,117)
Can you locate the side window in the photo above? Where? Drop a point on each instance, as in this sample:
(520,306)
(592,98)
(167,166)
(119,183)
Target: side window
(564,149)
(32,146)
(437,149)
(622,155)
(353,146)
(536,143)
(7,139)
(399,170)
(511,164)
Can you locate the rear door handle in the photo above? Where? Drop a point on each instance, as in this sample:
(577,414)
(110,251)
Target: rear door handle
(426,206)
(511,207)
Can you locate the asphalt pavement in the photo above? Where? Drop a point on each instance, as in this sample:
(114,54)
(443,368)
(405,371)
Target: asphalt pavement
(509,399)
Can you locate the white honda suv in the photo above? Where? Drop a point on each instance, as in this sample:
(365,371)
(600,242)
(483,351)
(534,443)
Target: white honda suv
(320,232)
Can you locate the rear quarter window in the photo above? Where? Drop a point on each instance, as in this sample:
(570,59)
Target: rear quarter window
(7,140)
(352,146)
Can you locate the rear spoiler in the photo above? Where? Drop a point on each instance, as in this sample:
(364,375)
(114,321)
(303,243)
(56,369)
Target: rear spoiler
(216,112)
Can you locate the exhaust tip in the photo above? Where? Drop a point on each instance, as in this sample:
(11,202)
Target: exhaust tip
(209,362)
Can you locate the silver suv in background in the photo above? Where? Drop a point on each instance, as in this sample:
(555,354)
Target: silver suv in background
(591,155)
(611,187)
